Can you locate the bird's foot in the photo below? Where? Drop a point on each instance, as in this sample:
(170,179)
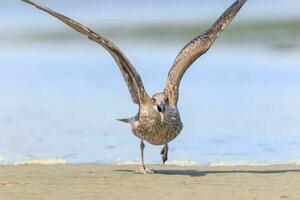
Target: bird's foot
(144,170)
(164,153)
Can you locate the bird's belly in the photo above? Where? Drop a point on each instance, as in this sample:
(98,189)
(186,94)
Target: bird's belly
(157,133)
(160,138)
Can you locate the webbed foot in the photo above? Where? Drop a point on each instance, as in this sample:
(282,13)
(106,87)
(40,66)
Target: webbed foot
(143,170)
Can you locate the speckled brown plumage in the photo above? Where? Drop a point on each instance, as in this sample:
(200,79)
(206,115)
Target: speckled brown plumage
(197,47)
(158,120)
(153,129)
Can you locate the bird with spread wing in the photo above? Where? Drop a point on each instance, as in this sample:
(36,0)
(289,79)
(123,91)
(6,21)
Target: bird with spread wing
(158,120)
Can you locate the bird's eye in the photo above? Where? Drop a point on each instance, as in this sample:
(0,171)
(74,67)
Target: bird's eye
(159,109)
(167,99)
(153,100)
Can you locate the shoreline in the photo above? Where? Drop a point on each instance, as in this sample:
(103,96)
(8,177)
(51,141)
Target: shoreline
(95,181)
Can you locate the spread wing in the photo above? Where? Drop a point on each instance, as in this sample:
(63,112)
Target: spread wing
(131,76)
(197,47)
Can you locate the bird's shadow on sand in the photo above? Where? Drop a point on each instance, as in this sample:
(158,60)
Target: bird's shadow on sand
(169,172)
(196,173)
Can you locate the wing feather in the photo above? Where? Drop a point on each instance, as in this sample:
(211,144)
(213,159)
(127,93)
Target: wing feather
(197,47)
(130,75)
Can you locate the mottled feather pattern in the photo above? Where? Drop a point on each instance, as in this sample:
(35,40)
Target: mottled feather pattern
(197,47)
(151,128)
(158,120)
(130,75)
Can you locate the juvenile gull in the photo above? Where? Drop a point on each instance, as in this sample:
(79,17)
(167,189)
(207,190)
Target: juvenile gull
(158,120)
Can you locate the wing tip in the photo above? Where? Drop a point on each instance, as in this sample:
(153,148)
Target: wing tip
(28,1)
(228,16)
(126,120)
(33,4)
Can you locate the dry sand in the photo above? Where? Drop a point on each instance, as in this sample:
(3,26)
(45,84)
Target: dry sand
(55,182)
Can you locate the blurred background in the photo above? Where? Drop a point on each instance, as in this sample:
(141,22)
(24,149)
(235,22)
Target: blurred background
(61,93)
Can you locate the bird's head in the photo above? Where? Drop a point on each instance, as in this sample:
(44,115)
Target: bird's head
(160,102)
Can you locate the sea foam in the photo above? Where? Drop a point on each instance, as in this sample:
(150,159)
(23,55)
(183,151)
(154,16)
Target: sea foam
(184,163)
(42,162)
(246,163)
(181,163)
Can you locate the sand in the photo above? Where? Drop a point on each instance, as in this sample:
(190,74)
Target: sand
(55,182)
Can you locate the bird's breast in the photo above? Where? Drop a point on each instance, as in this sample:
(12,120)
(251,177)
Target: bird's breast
(153,129)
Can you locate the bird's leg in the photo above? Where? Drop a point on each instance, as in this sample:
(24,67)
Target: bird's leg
(144,169)
(142,153)
(164,153)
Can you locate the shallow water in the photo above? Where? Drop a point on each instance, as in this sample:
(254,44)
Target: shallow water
(60,101)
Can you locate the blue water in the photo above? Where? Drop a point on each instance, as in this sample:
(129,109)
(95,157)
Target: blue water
(60,101)
(236,105)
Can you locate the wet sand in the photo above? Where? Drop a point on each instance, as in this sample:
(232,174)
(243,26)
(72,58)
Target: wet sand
(40,182)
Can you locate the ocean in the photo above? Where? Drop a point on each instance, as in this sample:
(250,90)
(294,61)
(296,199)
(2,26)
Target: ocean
(61,94)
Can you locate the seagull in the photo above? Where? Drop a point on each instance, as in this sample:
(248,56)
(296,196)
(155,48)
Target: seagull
(158,120)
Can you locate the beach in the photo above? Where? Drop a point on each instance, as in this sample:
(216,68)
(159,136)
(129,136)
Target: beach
(91,181)
(62,94)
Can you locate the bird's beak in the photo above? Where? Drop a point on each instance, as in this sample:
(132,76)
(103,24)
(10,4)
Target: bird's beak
(162,109)
(162,116)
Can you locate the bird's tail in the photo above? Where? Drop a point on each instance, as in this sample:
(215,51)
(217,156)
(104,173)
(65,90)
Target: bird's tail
(127,120)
